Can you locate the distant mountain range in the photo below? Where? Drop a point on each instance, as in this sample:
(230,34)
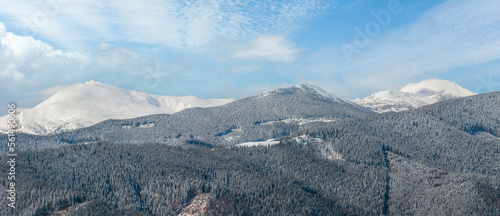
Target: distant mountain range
(83,105)
(414,95)
(272,114)
(290,151)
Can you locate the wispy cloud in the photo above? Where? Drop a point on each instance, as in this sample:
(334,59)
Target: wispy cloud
(274,48)
(3,30)
(179,25)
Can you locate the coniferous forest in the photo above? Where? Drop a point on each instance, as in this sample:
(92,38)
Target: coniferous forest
(330,157)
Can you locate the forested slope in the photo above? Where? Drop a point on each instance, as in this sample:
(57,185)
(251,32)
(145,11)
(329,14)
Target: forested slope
(160,179)
(453,165)
(439,135)
(440,159)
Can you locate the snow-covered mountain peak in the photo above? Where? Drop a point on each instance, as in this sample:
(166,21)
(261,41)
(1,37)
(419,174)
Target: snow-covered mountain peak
(313,89)
(414,95)
(307,88)
(316,90)
(85,104)
(89,92)
(92,82)
(437,86)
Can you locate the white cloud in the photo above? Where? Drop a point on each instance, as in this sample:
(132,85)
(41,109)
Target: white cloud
(179,25)
(274,48)
(28,65)
(3,30)
(26,60)
(29,69)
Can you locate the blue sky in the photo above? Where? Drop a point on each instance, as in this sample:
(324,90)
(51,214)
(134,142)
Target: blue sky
(237,48)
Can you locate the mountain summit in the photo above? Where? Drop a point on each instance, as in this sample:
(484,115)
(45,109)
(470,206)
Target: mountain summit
(414,95)
(307,88)
(437,86)
(314,89)
(82,105)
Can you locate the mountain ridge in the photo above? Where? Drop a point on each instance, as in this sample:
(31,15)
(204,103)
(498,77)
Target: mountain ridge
(81,105)
(413,96)
(253,118)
